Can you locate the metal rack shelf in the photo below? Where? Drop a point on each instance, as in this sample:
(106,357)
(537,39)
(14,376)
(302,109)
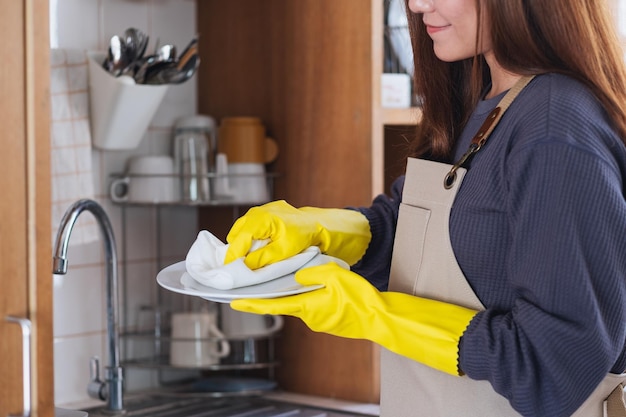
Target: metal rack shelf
(159,357)
(220,200)
(147,347)
(162,362)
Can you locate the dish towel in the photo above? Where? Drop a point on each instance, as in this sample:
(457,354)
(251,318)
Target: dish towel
(70,134)
(205,264)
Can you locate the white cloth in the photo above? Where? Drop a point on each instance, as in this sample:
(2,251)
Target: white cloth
(205,264)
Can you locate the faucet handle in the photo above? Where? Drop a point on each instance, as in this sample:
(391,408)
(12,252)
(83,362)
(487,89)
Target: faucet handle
(94,368)
(96,387)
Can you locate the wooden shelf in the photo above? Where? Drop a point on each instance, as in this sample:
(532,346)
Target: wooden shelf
(408,116)
(310,69)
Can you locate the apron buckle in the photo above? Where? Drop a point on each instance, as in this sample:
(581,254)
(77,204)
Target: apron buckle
(450,177)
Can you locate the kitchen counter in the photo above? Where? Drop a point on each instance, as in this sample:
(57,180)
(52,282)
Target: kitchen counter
(280,401)
(325,403)
(61,412)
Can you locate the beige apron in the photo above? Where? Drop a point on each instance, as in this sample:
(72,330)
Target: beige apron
(424,264)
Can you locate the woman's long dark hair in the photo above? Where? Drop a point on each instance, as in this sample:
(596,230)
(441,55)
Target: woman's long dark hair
(572,37)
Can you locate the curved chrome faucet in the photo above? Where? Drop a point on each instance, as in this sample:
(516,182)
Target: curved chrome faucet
(111,389)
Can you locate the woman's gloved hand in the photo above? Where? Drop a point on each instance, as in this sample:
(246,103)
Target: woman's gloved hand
(342,233)
(427,331)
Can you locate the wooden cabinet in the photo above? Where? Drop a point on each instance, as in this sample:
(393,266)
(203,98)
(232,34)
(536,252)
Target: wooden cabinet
(311,70)
(25,241)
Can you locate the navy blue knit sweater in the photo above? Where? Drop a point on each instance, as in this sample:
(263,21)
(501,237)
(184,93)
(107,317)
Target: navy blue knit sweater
(539,230)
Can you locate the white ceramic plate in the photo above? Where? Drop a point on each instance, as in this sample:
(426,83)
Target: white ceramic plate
(175,278)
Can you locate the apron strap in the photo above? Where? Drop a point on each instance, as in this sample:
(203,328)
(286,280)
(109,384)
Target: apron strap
(614,403)
(487,127)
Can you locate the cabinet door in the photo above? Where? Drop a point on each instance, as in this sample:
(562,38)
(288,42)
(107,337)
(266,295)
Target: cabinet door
(305,67)
(25,241)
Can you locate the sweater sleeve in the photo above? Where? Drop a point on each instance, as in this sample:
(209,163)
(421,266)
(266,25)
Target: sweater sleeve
(566,265)
(382,216)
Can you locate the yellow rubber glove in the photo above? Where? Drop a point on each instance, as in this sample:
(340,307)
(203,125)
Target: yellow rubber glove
(427,331)
(342,233)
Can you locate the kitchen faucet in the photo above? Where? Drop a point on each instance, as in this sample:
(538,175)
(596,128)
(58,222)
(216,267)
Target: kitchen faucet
(110,389)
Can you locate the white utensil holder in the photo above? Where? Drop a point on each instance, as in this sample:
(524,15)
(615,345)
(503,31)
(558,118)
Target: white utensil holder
(120,109)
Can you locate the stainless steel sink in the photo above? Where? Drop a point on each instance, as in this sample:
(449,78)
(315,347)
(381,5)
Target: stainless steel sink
(166,405)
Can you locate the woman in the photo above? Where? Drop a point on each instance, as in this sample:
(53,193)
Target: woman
(507,285)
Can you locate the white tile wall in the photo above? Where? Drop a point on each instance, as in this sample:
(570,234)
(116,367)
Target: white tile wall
(79,303)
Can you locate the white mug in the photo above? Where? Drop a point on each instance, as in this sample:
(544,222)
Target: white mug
(196,340)
(248,182)
(149,179)
(240,325)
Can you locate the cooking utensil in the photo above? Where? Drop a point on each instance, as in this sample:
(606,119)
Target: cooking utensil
(131,40)
(149,66)
(116,58)
(172,72)
(126,57)
(155,73)
(142,67)
(187,70)
(166,53)
(143,43)
(189,51)
(136,43)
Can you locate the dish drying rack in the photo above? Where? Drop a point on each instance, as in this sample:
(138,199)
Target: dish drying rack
(147,347)
(155,343)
